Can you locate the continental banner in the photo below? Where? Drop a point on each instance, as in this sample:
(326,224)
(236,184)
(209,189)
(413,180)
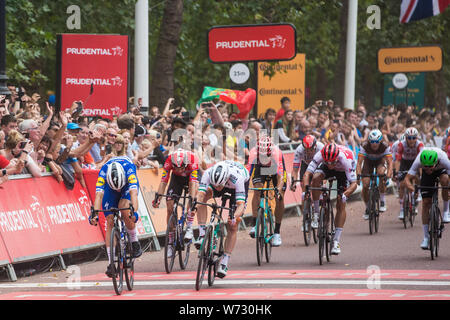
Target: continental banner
(288,81)
(39,217)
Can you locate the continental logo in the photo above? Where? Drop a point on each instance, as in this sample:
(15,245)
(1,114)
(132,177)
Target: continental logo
(132,179)
(100,182)
(410,59)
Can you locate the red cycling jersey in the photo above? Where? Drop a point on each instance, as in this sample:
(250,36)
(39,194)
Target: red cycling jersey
(191,170)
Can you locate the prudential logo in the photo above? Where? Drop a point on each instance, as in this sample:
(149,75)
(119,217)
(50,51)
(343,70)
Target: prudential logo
(114,51)
(108,82)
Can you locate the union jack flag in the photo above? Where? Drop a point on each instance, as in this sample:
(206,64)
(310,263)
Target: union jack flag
(412,10)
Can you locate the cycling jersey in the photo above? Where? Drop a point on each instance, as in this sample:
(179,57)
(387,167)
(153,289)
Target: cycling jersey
(374,155)
(112,197)
(275,163)
(345,163)
(443,162)
(190,171)
(237,181)
(404,152)
(301,155)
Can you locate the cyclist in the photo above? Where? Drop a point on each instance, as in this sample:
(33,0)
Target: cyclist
(434,164)
(394,148)
(303,156)
(407,152)
(332,161)
(118,186)
(266,162)
(374,153)
(184,165)
(224,177)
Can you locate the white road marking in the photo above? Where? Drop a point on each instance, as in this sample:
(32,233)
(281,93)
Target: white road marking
(228,282)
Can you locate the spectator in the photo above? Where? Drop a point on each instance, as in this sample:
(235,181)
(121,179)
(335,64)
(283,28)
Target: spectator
(16,146)
(285,105)
(285,127)
(268,121)
(8,123)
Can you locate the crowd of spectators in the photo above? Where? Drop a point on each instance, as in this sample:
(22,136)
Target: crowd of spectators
(36,138)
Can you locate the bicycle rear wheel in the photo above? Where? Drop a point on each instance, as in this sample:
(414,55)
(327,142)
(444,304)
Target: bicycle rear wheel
(117,260)
(269,235)
(322,234)
(260,241)
(307,222)
(129,261)
(170,243)
(204,258)
(217,253)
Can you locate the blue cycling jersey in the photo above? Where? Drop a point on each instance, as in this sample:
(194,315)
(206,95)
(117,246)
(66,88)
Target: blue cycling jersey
(112,197)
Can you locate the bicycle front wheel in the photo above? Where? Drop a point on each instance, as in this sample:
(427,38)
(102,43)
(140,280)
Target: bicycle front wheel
(117,260)
(184,249)
(170,244)
(371,213)
(129,263)
(260,238)
(376,212)
(322,234)
(307,221)
(434,231)
(406,205)
(204,258)
(269,235)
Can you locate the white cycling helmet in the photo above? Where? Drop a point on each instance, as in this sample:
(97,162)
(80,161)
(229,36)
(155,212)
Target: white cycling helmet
(115,176)
(219,174)
(375,136)
(411,132)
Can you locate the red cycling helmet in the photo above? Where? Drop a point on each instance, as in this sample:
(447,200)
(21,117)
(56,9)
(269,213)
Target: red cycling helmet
(180,158)
(265,145)
(330,152)
(309,142)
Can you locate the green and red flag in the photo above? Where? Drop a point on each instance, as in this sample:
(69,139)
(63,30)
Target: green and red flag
(244,100)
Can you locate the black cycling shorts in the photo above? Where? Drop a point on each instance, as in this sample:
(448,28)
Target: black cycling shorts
(340,176)
(429,180)
(176,185)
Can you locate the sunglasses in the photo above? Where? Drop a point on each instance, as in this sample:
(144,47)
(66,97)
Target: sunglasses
(332,163)
(411,138)
(374,142)
(112,135)
(429,167)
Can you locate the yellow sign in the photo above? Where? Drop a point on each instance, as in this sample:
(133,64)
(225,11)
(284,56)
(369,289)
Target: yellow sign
(288,81)
(410,59)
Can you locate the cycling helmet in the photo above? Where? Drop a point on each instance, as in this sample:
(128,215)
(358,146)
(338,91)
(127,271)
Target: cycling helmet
(219,174)
(115,176)
(428,158)
(330,152)
(411,132)
(375,136)
(179,158)
(265,145)
(309,142)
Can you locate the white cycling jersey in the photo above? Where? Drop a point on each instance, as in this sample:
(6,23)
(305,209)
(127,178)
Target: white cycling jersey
(394,148)
(443,162)
(404,152)
(238,177)
(301,155)
(345,163)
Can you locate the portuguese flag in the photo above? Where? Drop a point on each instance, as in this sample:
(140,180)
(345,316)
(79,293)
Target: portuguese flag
(244,100)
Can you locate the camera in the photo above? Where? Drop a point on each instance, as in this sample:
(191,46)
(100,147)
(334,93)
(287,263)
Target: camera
(23,144)
(79,107)
(323,103)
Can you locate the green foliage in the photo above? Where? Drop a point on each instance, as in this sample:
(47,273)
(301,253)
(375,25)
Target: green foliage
(32,27)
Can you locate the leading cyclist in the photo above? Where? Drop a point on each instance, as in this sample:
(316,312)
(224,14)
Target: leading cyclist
(117,186)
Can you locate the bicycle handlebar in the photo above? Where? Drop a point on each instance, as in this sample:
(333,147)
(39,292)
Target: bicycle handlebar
(372,175)
(114,210)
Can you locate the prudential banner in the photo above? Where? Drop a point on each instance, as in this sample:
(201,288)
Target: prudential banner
(93,68)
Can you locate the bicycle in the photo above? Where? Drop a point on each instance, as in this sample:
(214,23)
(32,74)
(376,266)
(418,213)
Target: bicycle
(307,218)
(121,256)
(264,224)
(326,228)
(176,229)
(212,247)
(374,200)
(409,205)
(435,225)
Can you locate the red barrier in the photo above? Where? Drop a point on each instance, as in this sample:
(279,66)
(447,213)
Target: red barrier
(90,177)
(39,217)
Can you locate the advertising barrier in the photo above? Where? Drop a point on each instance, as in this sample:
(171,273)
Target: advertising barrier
(45,220)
